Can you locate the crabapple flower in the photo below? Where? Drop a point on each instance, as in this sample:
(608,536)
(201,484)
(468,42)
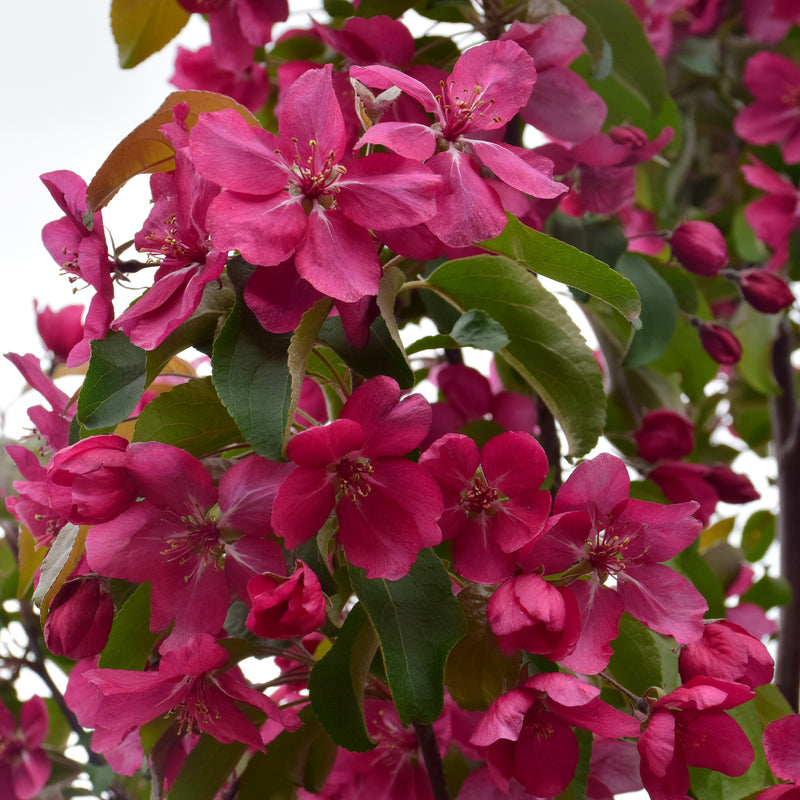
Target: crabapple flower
(175,232)
(598,531)
(386,505)
(528,613)
(80,618)
(89,482)
(727,652)
(282,608)
(775,216)
(197,543)
(783,755)
(24,767)
(81,252)
(689,728)
(765,291)
(664,434)
(561,104)
(769,21)
(301,194)
(488,86)
(492,502)
(700,247)
(774,116)
(528,735)
(718,342)
(59,330)
(192,685)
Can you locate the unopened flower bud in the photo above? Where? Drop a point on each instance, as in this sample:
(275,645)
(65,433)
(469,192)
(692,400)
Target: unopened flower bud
(80,619)
(59,330)
(719,342)
(699,247)
(764,291)
(731,486)
(664,435)
(282,608)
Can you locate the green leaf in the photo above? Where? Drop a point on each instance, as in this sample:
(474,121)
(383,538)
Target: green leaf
(250,371)
(758,534)
(114,382)
(562,262)
(190,416)
(768,592)
(602,238)
(697,570)
(546,347)
(635,64)
(643,658)
(383,353)
(756,332)
(131,642)
(418,621)
(61,559)
(143,27)
(477,329)
(392,8)
(446,10)
(659,311)
(477,671)
(336,683)
(206,769)
(299,758)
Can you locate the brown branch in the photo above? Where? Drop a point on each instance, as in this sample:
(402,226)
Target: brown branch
(784,413)
(433,761)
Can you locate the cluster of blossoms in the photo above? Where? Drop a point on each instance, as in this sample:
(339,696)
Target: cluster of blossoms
(382,161)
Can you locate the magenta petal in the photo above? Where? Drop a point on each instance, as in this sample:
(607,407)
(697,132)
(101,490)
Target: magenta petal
(599,486)
(338,257)
(227,150)
(409,139)
(514,462)
(279,297)
(385,191)
(663,600)
(453,460)
(383,77)
(319,447)
(515,171)
(558,749)
(504,718)
(780,746)
(657,742)
(715,741)
(30,774)
(266,230)
(310,113)
(303,503)
(470,210)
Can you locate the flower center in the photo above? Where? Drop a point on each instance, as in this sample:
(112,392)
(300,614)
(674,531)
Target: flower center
(314,178)
(195,711)
(461,108)
(608,553)
(351,473)
(480,497)
(193,539)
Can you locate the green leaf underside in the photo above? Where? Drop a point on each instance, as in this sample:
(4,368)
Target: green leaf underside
(417,620)
(131,642)
(546,347)
(336,683)
(58,564)
(562,262)
(114,383)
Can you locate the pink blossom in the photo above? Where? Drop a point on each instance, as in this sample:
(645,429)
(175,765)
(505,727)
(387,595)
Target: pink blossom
(613,769)
(689,728)
(727,652)
(59,330)
(769,21)
(488,86)
(527,731)
(774,116)
(24,766)
(492,502)
(781,747)
(79,619)
(81,252)
(775,216)
(386,505)
(561,104)
(238,27)
(194,685)
(664,434)
(699,246)
(197,543)
(528,613)
(599,531)
(199,70)
(282,608)
(175,232)
(299,194)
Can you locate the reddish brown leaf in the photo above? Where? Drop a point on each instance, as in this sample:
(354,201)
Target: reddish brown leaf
(145,149)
